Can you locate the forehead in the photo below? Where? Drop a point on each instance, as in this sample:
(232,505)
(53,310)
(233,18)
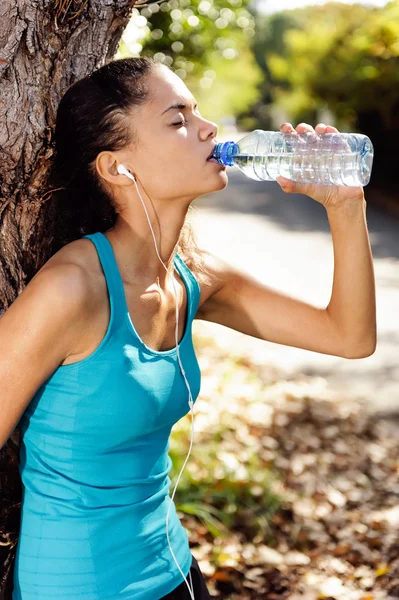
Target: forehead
(166,89)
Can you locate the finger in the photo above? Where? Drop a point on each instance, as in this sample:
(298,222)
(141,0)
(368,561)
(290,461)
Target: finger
(323,128)
(294,187)
(287,185)
(303,127)
(327,128)
(320,128)
(286,127)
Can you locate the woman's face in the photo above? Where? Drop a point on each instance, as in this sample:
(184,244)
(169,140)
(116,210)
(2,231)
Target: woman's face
(173,144)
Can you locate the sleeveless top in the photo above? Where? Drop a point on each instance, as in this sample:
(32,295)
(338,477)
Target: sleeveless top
(94,464)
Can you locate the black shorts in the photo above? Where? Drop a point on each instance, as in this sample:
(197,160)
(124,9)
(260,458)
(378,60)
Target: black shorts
(198,585)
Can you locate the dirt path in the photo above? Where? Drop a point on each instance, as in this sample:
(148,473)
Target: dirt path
(285,242)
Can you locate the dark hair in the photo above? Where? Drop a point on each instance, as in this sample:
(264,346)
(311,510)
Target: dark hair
(92,117)
(95,115)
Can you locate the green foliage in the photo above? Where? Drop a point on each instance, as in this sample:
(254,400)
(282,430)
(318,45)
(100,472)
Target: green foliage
(206,43)
(211,489)
(363,68)
(227,94)
(225,483)
(200,28)
(345,57)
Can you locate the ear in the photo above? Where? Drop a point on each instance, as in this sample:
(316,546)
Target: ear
(122,170)
(107,167)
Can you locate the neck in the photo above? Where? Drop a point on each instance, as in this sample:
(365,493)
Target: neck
(133,241)
(134,247)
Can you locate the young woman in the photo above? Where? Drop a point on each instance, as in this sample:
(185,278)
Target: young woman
(90,373)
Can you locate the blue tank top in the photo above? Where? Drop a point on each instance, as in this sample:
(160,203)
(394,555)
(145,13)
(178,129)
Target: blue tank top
(94,464)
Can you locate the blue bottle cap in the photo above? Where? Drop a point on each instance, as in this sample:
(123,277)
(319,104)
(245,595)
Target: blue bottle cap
(224,153)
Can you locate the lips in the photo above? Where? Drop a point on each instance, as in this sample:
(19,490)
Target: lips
(211,152)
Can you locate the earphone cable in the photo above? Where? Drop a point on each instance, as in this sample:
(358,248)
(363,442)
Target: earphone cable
(122,170)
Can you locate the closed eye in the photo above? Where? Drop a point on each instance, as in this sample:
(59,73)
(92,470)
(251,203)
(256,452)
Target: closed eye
(179,123)
(185,121)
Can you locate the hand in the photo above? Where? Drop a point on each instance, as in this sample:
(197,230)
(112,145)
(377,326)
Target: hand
(328,195)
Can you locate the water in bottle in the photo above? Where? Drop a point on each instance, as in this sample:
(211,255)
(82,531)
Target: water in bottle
(323,158)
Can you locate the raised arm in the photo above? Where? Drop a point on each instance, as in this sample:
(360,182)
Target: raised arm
(347,326)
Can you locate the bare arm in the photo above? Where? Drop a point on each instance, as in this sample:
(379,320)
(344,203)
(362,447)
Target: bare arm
(246,305)
(346,327)
(37,332)
(352,306)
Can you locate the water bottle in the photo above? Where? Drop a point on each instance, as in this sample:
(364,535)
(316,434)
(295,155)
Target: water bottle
(323,158)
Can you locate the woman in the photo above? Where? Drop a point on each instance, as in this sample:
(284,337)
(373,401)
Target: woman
(97,388)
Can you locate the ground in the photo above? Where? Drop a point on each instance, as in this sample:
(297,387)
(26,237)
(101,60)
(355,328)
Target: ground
(327,427)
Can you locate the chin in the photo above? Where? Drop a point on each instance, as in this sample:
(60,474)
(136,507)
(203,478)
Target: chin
(218,187)
(223,181)
(220,181)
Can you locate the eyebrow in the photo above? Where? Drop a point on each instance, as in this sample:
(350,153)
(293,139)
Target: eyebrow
(179,106)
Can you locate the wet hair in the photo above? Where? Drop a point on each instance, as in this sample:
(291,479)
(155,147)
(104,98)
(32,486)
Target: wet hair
(95,114)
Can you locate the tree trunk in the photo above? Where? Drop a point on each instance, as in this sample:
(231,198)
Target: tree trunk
(45,46)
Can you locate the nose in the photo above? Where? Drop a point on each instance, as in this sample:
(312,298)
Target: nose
(209,129)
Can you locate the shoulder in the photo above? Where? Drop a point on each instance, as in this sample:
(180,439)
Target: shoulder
(49,310)
(69,275)
(79,256)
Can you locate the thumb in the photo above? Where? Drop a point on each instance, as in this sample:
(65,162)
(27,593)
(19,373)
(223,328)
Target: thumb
(294,187)
(287,185)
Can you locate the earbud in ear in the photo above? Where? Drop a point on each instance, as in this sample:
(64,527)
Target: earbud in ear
(123,171)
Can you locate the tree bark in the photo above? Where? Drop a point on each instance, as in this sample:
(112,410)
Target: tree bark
(45,46)
(43,50)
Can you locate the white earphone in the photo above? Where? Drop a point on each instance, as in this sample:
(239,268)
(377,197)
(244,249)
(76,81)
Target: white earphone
(123,171)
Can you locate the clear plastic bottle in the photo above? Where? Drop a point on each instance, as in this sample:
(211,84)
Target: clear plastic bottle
(324,158)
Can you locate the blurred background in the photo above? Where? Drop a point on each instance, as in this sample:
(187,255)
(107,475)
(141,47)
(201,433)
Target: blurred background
(292,486)
(257,64)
